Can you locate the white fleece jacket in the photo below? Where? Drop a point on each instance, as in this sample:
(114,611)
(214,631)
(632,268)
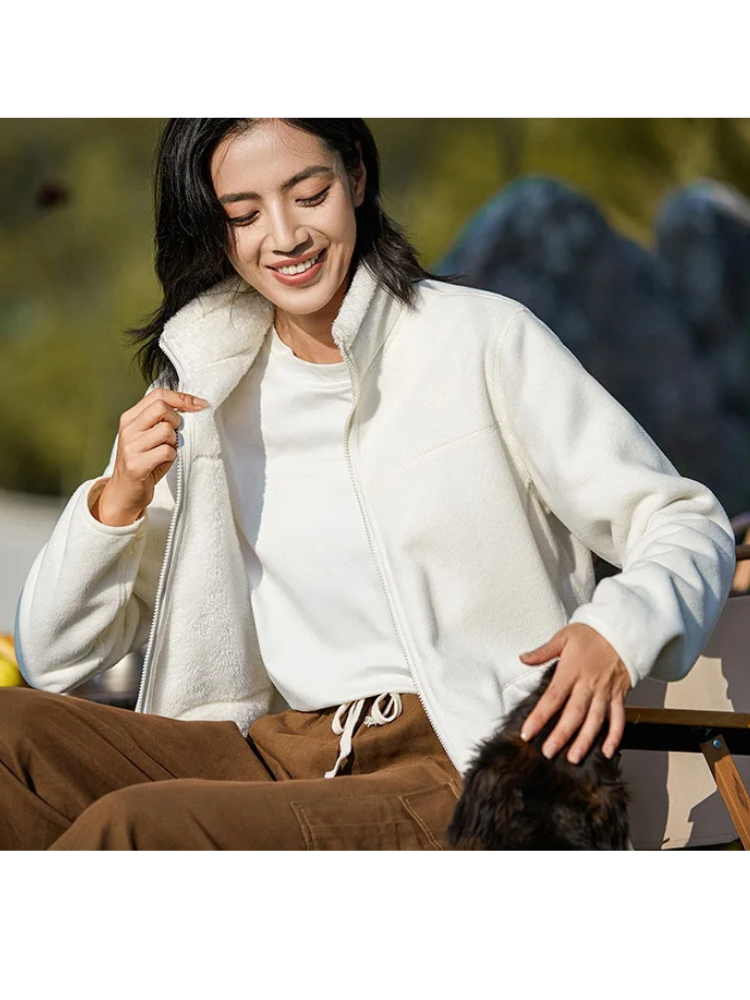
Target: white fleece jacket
(488,465)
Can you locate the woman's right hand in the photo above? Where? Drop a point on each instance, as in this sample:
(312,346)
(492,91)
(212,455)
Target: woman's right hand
(146,451)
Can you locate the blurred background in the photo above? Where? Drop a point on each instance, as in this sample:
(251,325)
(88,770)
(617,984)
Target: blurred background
(629,237)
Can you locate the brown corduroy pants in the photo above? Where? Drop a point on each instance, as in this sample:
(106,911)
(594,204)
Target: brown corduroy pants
(75,775)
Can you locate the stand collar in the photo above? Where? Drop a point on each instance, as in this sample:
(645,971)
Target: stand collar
(215,338)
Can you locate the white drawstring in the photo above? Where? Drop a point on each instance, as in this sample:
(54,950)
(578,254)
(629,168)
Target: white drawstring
(345,743)
(377,717)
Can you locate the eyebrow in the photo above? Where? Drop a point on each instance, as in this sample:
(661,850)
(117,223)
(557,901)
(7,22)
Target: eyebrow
(286,186)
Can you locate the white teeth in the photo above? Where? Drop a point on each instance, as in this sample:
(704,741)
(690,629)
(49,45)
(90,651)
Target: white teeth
(298,268)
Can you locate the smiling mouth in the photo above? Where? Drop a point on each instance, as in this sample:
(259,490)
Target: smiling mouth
(299,268)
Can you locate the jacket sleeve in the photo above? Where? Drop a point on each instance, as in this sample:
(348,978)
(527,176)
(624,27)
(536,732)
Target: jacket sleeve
(602,475)
(89,595)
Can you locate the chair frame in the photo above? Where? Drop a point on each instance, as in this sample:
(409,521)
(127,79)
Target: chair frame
(717,735)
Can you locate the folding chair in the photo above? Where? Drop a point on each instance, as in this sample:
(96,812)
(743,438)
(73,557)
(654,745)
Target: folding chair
(674,730)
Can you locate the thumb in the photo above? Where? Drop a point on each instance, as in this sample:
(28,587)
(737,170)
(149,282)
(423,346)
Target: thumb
(543,653)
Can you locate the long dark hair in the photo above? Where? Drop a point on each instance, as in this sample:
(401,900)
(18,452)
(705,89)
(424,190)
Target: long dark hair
(192,232)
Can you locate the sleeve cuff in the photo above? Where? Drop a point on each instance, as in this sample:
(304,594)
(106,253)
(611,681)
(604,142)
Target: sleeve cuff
(90,493)
(583,617)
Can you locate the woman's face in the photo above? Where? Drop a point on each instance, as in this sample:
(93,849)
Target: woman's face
(290,206)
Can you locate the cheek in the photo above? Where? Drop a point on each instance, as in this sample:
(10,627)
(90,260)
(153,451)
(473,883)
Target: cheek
(344,230)
(340,219)
(242,247)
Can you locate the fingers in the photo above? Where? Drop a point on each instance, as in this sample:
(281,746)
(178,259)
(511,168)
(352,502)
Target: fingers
(589,731)
(155,427)
(146,450)
(545,652)
(163,433)
(178,400)
(159,412)
(616,726)
(154,413)
(570,721)
(163,400)
(550,702)
(590,682)
(139,463)
(585,715)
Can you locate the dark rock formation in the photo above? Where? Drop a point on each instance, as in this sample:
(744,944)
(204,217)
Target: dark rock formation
(614,304)
(703,243)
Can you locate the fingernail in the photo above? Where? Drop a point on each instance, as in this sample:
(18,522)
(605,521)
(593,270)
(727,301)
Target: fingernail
(608,752)
(525,737)
(549,751)
(574,757)
(199,401)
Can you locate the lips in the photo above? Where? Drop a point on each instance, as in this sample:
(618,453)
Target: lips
(305,276)
(298,262)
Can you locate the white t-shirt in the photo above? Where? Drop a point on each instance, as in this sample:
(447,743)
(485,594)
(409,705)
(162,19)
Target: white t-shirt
(324,627)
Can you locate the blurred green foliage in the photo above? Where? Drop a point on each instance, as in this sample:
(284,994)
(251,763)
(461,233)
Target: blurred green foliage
(75,271)
(76,237)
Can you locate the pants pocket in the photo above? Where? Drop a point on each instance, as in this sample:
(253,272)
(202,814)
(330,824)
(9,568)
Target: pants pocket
(432,808)
(410,821)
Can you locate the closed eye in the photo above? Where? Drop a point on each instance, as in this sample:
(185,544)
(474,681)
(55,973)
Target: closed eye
(312,202)
(243,220)
(316,199)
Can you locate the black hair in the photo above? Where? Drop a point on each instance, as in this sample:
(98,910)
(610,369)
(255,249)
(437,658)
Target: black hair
(193,233)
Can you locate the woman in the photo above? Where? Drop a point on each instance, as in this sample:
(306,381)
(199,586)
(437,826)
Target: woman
(367,489)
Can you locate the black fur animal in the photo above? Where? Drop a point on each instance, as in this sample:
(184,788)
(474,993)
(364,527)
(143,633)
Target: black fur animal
(514,799)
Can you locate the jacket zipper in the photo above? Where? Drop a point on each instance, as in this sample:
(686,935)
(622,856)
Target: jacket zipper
(146,687)
(145,692)
(354,374)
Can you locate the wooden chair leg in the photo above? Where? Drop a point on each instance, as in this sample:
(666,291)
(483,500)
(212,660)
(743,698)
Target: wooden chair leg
(741,581)
(730,785)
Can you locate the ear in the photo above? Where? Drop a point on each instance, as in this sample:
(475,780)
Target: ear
(358,180)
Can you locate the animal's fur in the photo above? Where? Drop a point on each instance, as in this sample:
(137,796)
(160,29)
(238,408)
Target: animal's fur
(516,799)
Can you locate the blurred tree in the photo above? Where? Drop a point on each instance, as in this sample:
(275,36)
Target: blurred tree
(75,271)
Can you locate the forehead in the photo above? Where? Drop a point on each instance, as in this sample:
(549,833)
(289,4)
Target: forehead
(264,157)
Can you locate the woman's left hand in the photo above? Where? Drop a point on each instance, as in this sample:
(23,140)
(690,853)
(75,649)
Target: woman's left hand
(592,679)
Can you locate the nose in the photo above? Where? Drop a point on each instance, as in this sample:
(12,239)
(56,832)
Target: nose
(286,238)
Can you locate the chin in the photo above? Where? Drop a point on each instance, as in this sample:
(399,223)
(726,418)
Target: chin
(301,301)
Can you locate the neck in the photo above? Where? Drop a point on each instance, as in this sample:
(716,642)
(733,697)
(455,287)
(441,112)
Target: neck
(311,337)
